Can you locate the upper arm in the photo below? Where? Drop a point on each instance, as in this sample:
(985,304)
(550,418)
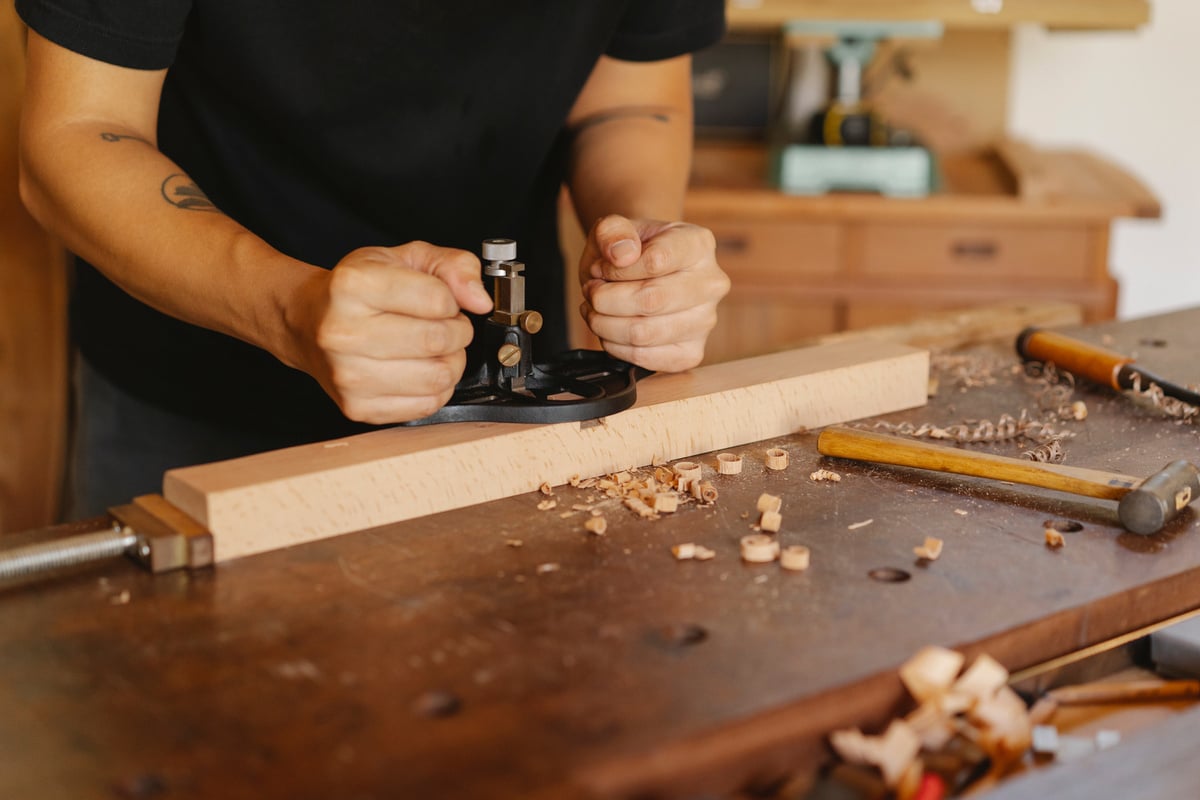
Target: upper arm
(652,86)
(64,88)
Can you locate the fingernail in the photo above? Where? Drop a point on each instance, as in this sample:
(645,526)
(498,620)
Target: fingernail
(622,250)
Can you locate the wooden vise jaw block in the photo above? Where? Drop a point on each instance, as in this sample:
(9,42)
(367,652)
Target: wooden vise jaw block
(301,494)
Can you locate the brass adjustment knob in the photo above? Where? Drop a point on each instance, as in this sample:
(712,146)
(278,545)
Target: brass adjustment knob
(531,322)
(509,355)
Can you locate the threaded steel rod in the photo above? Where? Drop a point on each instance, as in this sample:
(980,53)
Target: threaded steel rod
(44,556)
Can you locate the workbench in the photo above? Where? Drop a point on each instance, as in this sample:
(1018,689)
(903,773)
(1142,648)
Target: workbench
(433,659)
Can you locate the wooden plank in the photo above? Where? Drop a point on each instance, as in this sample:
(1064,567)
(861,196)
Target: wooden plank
(1076,14)
(301,494)
(33,327)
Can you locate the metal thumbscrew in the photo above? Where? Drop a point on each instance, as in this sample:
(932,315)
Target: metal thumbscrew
(509,355)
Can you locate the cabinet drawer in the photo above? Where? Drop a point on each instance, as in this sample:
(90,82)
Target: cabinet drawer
(776,248)
(977,251)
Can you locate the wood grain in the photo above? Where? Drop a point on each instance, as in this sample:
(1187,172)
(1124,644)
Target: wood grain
(33,329)
(301,494)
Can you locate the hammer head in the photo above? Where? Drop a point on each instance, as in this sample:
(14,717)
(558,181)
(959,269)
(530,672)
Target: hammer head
(1159,498)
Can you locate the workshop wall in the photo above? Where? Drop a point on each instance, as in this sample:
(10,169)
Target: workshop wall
(1130,96)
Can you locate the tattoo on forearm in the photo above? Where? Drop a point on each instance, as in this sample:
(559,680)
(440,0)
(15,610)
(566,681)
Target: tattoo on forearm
(179,190)
(116,137)
(652,113)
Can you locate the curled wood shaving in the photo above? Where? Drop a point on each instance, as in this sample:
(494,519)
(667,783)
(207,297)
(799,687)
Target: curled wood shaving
(1153,395)
(545,488)
(596,525)
(1006,428)
(546,505)
(824,475)
(1049,453)
(1054,538)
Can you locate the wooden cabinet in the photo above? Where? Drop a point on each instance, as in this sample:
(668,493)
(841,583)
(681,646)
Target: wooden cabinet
(1004,228)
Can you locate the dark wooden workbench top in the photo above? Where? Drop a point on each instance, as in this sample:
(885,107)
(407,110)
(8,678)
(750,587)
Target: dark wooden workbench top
(430,659)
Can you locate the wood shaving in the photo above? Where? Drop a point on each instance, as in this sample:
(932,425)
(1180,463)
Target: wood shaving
(930,550)
(858,525)
(688,551)
(824,475)
(513,542)
(1006,428)
(705,492)
(546,505)
(545,489)
(639,507)
(729,463)
(795,557)
(777,458)
(596,525)
(768,502)
(666,503)
(1054,538)
(549,566)
(770,521)
(1049,453)
(1153,395)
(758,548)
(575,480)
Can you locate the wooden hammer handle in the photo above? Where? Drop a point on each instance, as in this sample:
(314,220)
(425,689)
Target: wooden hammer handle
(1079,358)
(884,449)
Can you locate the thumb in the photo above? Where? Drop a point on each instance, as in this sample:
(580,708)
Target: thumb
(462,276)
(617,240)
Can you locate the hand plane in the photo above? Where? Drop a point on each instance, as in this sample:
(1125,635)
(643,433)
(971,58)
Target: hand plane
(504,383)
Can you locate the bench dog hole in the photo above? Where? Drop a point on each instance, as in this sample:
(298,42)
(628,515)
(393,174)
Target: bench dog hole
(683,634)
(889,575)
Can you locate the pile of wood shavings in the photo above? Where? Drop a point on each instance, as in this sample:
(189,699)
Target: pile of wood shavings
(645,492)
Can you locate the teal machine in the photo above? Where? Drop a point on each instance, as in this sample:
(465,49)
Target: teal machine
(844,146)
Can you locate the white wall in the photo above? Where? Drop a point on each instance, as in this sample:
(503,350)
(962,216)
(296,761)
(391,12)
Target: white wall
(1134,98)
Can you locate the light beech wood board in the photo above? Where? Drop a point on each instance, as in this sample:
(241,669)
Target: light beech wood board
(301,494)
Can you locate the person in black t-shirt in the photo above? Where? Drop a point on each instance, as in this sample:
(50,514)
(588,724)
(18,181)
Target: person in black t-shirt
(260,195)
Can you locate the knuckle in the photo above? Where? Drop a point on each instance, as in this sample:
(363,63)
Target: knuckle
(434,339)
(651,299)
(656,261)
(643,333)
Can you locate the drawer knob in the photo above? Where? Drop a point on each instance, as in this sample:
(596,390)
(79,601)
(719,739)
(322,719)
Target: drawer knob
(975,248)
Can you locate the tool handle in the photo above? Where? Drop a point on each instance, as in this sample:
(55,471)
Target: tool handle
(1079,358)
(884,449)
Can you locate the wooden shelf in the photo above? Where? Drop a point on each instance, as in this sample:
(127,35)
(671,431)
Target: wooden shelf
(747,15)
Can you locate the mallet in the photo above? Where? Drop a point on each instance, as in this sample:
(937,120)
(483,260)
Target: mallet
(1098,364)
(1144,505)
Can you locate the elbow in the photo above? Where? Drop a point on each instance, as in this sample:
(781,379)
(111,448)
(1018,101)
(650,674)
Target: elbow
(29,189)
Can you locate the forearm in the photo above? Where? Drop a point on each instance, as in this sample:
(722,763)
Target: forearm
(631,141)
(122,205)
(634,163)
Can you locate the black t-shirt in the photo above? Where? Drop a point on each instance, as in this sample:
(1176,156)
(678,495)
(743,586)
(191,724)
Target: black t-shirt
(326,127)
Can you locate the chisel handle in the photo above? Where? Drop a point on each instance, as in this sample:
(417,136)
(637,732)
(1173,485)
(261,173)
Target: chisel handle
(1079,358)
(882,448)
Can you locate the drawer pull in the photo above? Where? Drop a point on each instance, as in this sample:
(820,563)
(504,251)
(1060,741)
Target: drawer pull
(977,248)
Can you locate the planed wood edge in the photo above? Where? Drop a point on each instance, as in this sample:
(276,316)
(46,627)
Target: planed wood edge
(307,493)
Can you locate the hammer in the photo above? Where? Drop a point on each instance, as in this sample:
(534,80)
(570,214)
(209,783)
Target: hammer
(1098,364)
(1144,507)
